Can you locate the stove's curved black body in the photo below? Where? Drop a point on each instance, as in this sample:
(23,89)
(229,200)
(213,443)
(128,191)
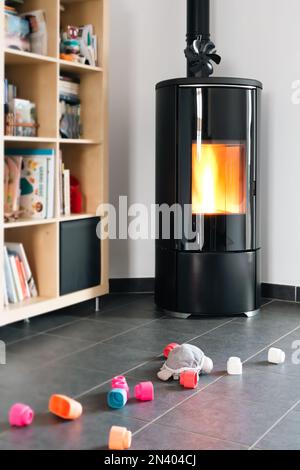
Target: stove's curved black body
(207,131)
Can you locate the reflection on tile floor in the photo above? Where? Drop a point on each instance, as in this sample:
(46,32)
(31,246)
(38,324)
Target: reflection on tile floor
(77,351)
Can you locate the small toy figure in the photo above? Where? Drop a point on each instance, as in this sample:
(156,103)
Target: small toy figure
(185,358)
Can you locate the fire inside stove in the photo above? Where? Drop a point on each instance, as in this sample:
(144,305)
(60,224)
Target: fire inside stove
(218,178)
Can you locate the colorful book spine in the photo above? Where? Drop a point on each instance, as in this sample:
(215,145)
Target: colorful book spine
(16,279)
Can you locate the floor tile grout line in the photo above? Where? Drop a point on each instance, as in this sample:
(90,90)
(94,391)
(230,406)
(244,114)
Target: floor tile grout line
(37,333)
(177,405)
(271,344)
(146,362)
(210,331)
(204,435)
(274,425)
(208,385)
(99,342)
(268,303)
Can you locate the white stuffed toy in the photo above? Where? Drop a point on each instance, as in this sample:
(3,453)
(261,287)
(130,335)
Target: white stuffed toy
(182,358)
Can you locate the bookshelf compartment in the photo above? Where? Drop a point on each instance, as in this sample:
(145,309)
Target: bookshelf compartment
(84,163)
(38,84)
(41,247)
(90,94)
(80,256)
(28,149)
(84,12)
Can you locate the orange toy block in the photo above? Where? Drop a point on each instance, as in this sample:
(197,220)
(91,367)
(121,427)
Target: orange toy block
(65,407)
(119,438)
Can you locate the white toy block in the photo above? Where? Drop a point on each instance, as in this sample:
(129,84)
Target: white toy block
(234,366)
(276,356)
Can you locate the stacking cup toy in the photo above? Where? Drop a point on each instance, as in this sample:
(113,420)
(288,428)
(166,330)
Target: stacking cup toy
(117,398)
(20,415)
(189,379)
(276,356)
(144,391)
(169,348)
(65,407)
(120,382)
(119,438)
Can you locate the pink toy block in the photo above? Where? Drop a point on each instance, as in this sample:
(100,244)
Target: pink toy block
(169,348)
(121,383)
(20,415)
(118,379)
(144,391)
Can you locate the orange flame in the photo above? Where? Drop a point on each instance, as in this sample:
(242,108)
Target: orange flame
(219,180)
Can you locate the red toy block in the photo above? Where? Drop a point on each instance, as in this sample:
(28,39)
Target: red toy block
(189,379)
(169,348)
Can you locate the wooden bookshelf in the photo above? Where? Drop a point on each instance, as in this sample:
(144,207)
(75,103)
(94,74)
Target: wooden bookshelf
(37,79)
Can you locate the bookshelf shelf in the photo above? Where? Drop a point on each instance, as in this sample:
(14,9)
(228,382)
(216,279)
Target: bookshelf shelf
(30,140)
(74,67)
(15,57)
(37,78)
(66,218)
(27,223)
(79,142)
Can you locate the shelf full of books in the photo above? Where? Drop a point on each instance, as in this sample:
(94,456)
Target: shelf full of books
(29,179)
(53,150)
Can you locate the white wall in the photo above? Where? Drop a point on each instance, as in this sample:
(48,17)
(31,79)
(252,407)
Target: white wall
(261,39)
(257,39)
(146,44)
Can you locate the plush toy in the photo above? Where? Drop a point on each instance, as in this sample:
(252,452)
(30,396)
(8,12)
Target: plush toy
(182,358)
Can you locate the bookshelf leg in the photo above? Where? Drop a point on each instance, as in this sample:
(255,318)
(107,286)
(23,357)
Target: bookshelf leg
(98,304)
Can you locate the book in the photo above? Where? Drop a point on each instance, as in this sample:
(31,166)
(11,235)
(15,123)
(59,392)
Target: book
(67,191)
(38,34)
(15,275)
(5,295)
(37,181)
(50,185)
(27,290)
(16,30)
(61,189)
(12,178)
(10,286)
(18,250)
(24,113)
(21,277)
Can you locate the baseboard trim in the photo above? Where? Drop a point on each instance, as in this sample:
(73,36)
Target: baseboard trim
(146,285)
(280,292)
(132,286)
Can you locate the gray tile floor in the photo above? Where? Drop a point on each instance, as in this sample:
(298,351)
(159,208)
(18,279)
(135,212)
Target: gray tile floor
(77,351)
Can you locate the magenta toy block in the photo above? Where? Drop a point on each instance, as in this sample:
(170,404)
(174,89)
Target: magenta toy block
(20,415)
(144,391)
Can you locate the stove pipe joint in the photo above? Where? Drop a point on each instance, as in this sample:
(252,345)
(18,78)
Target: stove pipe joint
(200,51)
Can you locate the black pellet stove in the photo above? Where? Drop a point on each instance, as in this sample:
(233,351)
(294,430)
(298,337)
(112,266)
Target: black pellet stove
(207,173)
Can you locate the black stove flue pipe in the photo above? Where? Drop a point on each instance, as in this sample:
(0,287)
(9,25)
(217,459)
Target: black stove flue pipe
(198,19)
(200,51)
